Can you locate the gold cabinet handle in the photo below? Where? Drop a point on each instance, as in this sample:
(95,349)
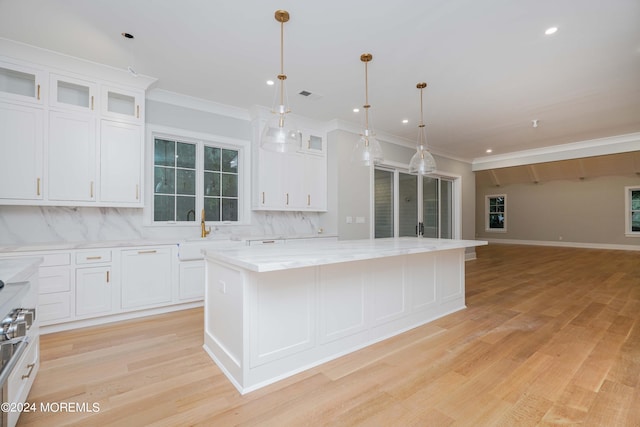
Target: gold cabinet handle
(107,276)
(263,197)
(137,111)
(91,102)
(287,199)
(38,92)
(91,190)
(38,186)
(308,199)
(30,366)
(152,251)
(137,191)
(93,258)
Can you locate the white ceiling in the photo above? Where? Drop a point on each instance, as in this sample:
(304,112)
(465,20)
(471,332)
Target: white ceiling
(489,66)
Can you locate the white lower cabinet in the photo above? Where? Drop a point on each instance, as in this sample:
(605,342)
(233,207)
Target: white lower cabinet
(146,277)
(191,280)
(93,291)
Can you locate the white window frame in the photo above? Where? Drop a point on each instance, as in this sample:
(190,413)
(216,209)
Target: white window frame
(200,139)
(627,211)
(487,224)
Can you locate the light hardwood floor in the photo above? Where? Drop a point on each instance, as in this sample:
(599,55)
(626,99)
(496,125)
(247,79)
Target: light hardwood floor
(551,336)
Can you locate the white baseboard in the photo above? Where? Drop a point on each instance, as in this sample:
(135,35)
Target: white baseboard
(565,244)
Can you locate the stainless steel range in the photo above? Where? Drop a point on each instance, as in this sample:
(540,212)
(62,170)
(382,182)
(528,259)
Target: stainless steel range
(19,336)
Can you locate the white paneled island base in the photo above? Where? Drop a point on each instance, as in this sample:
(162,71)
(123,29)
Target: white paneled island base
(274,311)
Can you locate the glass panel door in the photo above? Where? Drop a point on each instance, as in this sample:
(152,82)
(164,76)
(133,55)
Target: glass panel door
(408,205)
(383,205)
(430,206)
(446,209)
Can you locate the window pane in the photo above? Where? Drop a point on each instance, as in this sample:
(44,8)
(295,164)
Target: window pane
(229,185)
(212,208)
(211,158)
(408,206)
(164,153)
(635,200)
(496,221)
(383,205)
(635,221)
(230,161)
(229,209)
(185,208)
(211,184)
(446,209)
(430,206)
(163,208)
(185,181)
(186,156)
(164,180)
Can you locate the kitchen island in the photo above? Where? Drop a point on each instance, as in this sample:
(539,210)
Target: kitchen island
(272,311)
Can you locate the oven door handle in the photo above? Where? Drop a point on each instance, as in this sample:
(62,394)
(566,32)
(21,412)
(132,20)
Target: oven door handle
(17,353)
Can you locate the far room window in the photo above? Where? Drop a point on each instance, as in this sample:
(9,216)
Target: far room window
(496,212)
(632,197)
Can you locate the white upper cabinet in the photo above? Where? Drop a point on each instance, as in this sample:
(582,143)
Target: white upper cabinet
(21,83)
(313,143)
(70,139)
(121,154)
(21,152)
(72,93)
(122,104)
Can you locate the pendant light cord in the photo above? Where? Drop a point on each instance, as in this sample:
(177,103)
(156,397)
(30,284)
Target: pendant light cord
(366,57)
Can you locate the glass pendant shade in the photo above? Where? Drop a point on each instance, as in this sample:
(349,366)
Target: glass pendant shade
(367,151)
(422,162)
(280,133)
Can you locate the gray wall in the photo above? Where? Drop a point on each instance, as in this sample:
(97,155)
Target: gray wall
(590,211)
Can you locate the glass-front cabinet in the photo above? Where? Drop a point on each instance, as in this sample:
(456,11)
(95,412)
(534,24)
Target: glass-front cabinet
(71,93)
(122,104)
(20,83)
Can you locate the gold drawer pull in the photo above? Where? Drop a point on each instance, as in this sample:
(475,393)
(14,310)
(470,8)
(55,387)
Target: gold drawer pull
(38,92)
(137,111)
(153,251)
(38,187)
(30,366)
(91,102)
(93,258)
(107,277)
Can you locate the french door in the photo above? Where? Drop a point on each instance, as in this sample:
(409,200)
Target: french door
(411,205)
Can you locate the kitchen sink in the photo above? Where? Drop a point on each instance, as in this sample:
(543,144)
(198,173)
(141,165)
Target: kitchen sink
(192,249)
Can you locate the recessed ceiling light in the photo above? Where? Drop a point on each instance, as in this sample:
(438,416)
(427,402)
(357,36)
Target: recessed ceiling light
(270,82)
(356,110)
(489,150)
(551,30)
(405,121)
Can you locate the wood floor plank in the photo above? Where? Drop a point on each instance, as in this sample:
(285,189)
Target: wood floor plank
(550,336)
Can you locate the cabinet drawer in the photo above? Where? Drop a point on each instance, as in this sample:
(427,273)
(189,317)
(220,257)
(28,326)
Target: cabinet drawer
(54,279)
(55,306)
(93,257)
(49,260)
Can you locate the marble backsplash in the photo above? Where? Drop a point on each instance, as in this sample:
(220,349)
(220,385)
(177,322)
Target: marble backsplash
(20,225)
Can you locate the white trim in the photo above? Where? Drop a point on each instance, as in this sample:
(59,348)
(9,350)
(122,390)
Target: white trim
(244,178)
(607,246)
(487,228)
(627,211)
(186,101)
(575,150)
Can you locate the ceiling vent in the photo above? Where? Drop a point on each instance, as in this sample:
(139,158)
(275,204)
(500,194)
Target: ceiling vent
(309,95)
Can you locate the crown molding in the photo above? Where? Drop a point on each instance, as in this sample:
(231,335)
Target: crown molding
(575,150)
(192,102)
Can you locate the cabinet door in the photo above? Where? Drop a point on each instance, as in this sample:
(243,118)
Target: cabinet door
(146,277)
(19,83)
(121,153)
(315,179)
(72,157)
(93,291)
(21,152)
(122,104)
(269,193)
(71,93)
(293,169)
(191,280)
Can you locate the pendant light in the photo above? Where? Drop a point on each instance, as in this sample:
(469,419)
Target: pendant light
(280,132)
(367,151)
(422,162)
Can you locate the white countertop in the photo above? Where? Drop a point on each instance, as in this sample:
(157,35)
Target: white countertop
(306,254)
(14,272)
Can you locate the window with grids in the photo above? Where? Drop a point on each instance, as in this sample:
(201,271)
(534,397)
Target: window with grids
(191,176)
(632,196)
(496,212)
